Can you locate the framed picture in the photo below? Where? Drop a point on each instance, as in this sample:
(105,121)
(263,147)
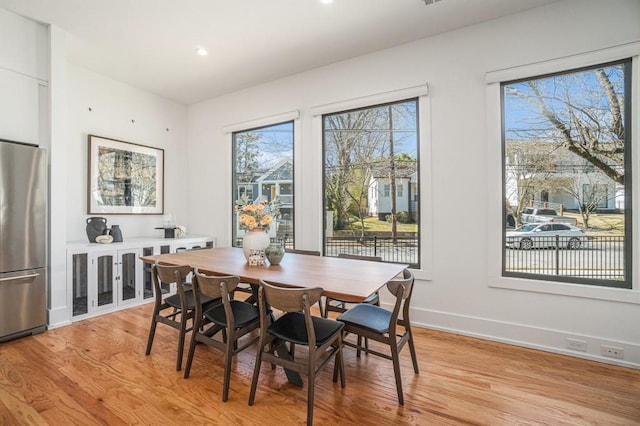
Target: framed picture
(124,178)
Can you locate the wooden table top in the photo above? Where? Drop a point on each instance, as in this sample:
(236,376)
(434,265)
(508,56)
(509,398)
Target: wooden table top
(346,279)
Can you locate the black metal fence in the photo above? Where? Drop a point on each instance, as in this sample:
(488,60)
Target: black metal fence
(394,250)
(600,257)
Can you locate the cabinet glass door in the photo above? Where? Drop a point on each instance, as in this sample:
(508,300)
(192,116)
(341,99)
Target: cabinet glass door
(105,279)
(128,276)
(80,286)
(147,280)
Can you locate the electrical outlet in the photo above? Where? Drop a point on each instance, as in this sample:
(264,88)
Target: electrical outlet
(576,344)
(612,351)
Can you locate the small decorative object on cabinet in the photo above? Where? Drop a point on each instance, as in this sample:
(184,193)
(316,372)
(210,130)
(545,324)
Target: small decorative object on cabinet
(96,226)
(116,233)
(274,253)
(254,240)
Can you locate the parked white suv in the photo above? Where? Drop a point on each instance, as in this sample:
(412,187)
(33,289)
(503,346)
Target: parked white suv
(540,215)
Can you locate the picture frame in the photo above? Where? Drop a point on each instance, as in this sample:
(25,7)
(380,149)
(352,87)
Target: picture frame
(124,177)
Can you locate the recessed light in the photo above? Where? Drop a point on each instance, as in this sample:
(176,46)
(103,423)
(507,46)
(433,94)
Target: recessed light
(326,1)
(202,51)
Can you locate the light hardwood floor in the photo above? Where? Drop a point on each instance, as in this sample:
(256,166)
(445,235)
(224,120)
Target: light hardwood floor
(95,372)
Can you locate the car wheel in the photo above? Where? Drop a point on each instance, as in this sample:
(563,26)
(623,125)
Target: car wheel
(574,243)
(526,244)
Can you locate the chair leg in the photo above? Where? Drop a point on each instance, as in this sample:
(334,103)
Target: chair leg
(228,356)
(412,349)
(359,346)
(181,338)
(192,351)
(323,311)
(395,357)
(338,367)
(152,333)
(256,373)
(310,392)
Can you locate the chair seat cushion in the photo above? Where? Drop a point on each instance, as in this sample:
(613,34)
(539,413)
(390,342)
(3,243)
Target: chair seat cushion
(291,327)
(370,317)
(174,301)
(243,314)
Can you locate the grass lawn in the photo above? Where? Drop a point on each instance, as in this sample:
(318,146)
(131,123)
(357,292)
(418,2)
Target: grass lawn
(599,224)
(602,223)
(372,224)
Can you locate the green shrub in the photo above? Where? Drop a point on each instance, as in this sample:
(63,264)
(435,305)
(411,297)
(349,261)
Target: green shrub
(401,217)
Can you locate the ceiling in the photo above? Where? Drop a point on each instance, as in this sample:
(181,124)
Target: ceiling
(151,44)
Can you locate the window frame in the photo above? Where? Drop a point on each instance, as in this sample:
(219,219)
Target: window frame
(234,185)
(425,192)
(494,172)
(385,185)
(628,187)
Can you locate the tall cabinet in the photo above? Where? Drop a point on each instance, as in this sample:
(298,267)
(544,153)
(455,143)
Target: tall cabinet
(107,277)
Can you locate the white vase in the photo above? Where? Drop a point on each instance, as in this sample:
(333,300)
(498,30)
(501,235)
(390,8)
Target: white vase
(255,239)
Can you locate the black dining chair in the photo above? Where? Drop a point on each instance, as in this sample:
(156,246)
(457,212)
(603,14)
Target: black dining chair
(333,304)
(382,325)
(309,253)
(227,322)
(177,309)
(296,326)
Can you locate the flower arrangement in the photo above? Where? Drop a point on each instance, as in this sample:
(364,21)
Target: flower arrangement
(256,216)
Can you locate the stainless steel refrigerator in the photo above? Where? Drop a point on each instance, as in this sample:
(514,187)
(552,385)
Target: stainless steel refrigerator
(23,240)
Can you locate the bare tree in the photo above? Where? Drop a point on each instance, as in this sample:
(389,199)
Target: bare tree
(590,191)
(582,111)
(246,156)
(350,149)
(357,143)
(529,167)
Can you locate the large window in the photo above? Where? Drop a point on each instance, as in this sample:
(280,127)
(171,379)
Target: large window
(263,170)
(370,155)
(567,160)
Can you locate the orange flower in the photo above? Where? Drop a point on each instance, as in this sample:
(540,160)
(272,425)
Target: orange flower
(256,216)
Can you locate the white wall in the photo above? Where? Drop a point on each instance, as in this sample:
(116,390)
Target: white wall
(105,107)
(88,103)
(456,295)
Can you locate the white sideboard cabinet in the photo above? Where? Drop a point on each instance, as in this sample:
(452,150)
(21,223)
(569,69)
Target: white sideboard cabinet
(103,278)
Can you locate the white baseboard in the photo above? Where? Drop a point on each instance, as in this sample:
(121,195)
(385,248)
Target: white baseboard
(548,340)
(58,317)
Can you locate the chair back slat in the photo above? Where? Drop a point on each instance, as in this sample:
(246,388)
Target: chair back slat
(212,285)
(290,299)
(167,274)
(401,287)
(171,274)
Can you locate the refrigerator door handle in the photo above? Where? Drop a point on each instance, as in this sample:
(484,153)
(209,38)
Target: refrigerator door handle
(21,277)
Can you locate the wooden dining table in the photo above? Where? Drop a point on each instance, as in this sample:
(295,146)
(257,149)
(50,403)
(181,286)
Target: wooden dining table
(340,278)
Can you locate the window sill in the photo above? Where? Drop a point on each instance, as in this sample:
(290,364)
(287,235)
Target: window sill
(567,289)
